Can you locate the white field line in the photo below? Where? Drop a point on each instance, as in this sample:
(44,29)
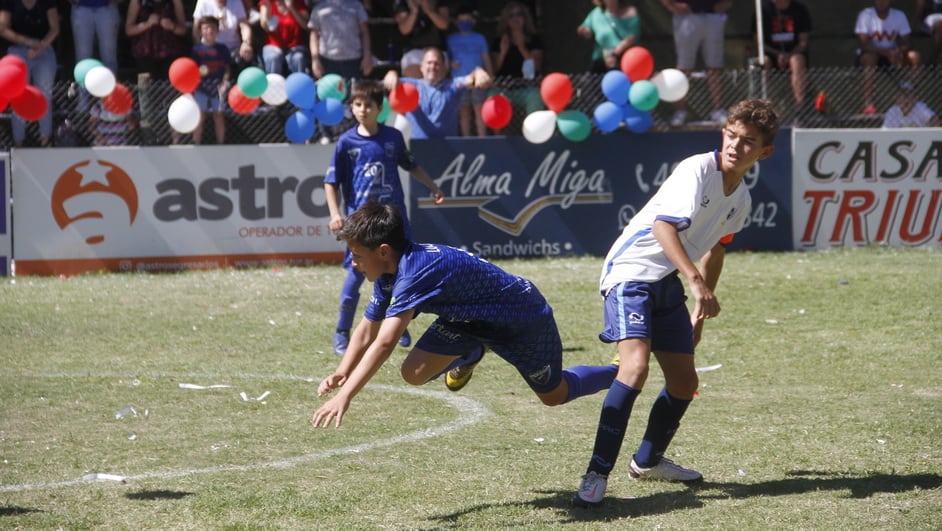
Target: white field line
(470,412)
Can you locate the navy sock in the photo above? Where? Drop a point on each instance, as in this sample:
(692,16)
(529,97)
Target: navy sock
(662,425)
(349,298)
(588,379)
(616,409)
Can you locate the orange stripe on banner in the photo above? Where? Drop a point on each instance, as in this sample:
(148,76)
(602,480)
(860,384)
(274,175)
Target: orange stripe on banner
(161,264)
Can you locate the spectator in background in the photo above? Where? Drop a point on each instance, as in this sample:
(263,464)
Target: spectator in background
(930,13)
(30,27)
(439,95)
(340,39)
(108,128)
(786,26)
(96,20)
(699,25)
(234,29)
(909,112)
(215,62)
(468,50)
(884,36)
(285,42)
(615,27)
(422,23)
(518,56)
(157,29)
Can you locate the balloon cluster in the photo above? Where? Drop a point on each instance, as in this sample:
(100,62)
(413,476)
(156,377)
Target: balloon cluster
(28,102)
(631,95)
(556,91)
(100,82)
(322,101)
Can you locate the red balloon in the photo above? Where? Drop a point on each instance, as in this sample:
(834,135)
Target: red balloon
(119,101)
(240,103)
(12,76)
(184,74)
(556,90)
(637,63)
(404,98)
(3,104)
(496,111)
(31,105)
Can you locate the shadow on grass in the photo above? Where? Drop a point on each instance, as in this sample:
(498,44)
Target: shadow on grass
(16,511)
(800,481)
(153,495)
(796,482)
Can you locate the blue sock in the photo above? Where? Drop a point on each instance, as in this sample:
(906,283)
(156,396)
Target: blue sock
(349,298)
(662,425)
(588,379)
(616,409)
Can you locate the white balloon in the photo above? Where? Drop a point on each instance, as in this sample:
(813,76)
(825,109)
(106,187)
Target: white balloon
(538,126)
(184,114)
(672,84)
(275,94)
(100,81)
(401,123)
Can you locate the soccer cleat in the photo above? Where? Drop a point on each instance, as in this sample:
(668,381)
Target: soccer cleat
(459,377)
(406,339)
(820,102)
(666,470)
(591,490)
(679,118)
(341,341)
(869,110)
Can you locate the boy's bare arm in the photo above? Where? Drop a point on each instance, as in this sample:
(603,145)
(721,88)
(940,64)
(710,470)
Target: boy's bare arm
(423,177)
(706,303)
(333,206)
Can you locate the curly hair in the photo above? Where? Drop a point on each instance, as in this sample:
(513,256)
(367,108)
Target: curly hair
(758,113)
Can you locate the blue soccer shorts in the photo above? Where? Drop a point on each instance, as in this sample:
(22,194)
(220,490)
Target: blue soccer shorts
(534,348)
(649,310)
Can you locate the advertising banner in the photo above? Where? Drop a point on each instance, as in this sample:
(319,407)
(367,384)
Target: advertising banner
(863,187)
(6,245)
(170,208)
(507,197)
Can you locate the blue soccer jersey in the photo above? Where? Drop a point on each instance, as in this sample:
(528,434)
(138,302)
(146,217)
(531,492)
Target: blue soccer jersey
(366,167)
(456,286)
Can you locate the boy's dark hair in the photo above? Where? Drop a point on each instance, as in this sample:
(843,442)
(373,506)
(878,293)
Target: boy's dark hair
(374,224)
(212,21)
(369,90)
(758,113)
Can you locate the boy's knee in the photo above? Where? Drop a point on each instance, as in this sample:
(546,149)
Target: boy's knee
(412,377)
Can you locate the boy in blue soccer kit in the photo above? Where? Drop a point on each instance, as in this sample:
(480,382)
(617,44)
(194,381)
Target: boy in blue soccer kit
(478,305)
(364,167)
(690,217)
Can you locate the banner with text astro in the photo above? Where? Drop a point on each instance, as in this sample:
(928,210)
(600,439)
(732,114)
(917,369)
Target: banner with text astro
(170,208)
(507,197)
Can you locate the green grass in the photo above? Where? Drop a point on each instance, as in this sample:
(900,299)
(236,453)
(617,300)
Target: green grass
(825,414)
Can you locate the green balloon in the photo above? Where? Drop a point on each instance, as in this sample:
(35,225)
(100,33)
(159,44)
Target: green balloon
(82,67)
(331,86)
(384,112)
(643,95)
(253,82)
(574,125)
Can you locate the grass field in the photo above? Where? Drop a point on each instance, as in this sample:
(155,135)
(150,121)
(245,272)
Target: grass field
(826,412)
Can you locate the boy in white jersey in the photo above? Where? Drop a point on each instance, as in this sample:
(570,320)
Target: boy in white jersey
(690,217)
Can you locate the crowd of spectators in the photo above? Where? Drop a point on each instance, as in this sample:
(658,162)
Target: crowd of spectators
(334,36)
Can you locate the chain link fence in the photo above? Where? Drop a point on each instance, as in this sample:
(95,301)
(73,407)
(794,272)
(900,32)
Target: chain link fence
(843,106)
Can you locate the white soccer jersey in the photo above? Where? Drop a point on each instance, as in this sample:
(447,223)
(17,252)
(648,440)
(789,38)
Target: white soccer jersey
(693,199)
(883,33)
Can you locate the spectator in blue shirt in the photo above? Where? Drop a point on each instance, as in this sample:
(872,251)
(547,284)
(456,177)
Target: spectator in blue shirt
(468,50)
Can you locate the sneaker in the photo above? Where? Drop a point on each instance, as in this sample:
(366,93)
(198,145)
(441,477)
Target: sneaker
(869,109)
(406,339)
(459,377)
(679,118)
(591,490)
(666,470)
(719,117)
(341,341)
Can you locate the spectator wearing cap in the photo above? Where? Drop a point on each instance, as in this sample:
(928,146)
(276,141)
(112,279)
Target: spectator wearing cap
(908,111)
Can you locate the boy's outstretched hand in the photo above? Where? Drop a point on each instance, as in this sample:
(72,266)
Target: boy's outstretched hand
(331,382)
(332,410)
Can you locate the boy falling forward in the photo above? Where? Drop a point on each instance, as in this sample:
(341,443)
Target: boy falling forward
(364,167)
(692,216)
(478,305)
